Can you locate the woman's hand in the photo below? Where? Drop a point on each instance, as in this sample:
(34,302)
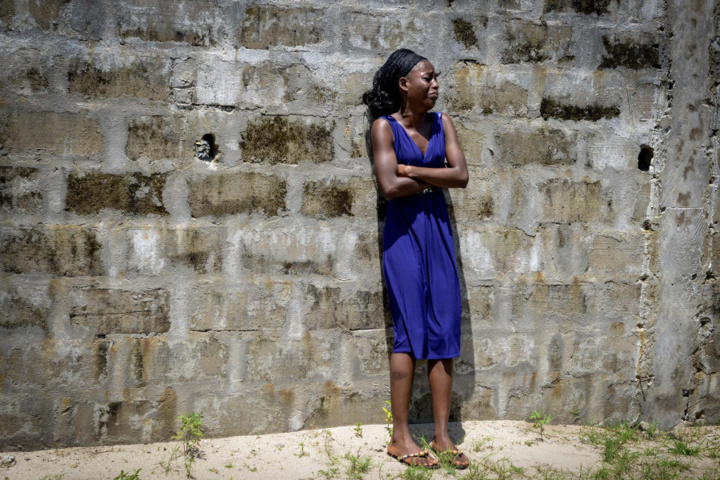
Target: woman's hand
(403,170)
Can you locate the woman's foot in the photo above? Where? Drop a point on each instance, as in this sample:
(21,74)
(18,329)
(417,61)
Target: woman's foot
(408,452)
(445,448)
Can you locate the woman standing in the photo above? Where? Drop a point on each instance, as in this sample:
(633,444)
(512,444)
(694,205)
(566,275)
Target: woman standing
(417,155)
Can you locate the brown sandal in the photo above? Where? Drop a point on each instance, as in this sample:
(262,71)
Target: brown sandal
(404,459)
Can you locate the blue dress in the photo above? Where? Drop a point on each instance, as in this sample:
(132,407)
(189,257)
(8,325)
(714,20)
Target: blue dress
(419,258)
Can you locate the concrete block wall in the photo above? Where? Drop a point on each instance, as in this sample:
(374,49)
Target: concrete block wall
(139,282)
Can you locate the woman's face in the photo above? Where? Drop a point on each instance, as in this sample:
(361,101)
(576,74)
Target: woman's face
(422,85)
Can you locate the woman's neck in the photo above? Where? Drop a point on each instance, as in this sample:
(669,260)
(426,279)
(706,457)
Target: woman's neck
(412,117)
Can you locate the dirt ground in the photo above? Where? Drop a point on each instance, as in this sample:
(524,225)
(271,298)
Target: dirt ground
(334,453)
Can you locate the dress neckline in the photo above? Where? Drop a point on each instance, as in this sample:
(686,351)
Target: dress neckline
(432,131)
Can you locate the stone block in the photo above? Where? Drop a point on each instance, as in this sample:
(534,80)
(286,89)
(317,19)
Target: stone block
(19,367)
(268,26)
(533,42)
(368,351)
(545,146)
(496,251)
(45,12)
(311,357)
(106,311)
(7,11)
(631,53)
(584,201)
(476,202)
(128,421)
(379,31)
(147,77)
(162,21)
(236,193)
(24,305)
(587,7)
(138,361)
(168,137)
(341,405)
(607,354)
(20,190)
(290,250)
(541,301)
(481,304)
(553,108)
(464,31)
(473,86)
(154,250)
(367,251)
(353,87)
(132,193)
(208,355)
(247,307)
(58,133)
(327,307)
(563,250)
(327,198)
(62,250)
(287,140)
(472,141)
(335,198)
(617,254)
(27,71)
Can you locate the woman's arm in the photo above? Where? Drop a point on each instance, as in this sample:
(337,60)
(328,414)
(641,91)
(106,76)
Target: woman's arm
(386,167)
(455,176)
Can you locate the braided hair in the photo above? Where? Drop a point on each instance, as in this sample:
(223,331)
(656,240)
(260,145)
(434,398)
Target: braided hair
(384,98)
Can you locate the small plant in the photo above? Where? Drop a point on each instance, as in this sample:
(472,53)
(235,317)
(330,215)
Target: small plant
(389,417)
(331,472)
(479,444)
(357,466)
(358,429)
(416,473)
(302,453)
(167,466)
(681,448)
(539,421)
(128,476)
(189,436)
(228,466)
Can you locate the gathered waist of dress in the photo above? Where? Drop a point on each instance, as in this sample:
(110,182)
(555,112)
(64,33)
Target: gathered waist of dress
(430,190)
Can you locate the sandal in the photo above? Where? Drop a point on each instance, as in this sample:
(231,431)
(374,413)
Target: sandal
(406,459)
(456,454)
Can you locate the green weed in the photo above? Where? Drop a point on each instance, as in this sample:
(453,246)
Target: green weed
(302,453)
(389,417)
(539,421)
(128,476)
(189,436)
(358,429)
(357,466)
(415,473)
(681,448)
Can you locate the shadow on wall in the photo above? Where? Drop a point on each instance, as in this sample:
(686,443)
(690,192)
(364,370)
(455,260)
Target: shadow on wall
(464,367)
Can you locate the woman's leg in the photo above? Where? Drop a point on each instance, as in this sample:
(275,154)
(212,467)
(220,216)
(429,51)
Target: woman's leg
(440,373)
(402,369)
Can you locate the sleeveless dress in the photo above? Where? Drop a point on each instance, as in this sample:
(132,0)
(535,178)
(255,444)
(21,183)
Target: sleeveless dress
(419,258)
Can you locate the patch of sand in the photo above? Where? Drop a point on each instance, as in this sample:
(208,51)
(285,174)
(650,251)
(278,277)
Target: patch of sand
(314,454)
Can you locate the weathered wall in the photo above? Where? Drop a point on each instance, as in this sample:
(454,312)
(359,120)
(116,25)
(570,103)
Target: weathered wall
(139,282)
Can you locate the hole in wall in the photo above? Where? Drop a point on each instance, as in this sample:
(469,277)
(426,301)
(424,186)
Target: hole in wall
(645,157)
(206,149)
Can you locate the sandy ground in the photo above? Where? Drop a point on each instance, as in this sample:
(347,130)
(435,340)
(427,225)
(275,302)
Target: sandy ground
(314,454)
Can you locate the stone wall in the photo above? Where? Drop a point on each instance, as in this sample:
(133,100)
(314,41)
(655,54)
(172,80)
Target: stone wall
(139,282)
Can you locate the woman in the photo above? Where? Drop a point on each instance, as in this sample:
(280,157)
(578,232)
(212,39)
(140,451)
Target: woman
(416,155)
